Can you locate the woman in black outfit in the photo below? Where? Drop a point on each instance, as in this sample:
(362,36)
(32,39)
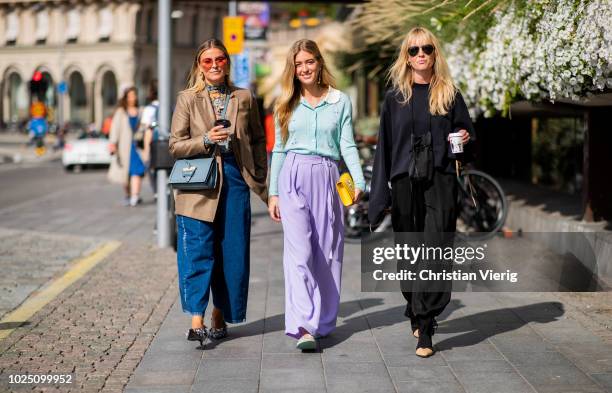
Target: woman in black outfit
(419,112)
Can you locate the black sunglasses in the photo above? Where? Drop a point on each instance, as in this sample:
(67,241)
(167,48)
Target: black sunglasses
(414,50)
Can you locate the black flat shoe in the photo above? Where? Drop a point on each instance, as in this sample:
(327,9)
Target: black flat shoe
(217,333)
(197,335)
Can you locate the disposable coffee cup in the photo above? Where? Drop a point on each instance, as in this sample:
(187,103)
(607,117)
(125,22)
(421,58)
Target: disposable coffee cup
(226,124)
(455,142)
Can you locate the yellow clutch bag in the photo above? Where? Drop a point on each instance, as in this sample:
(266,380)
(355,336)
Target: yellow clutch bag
(346,189)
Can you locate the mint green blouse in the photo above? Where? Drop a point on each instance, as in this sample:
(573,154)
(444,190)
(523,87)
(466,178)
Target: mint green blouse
(325,130)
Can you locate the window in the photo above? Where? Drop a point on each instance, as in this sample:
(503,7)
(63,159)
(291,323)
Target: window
(78,98)
(12,28)
(139,33)
(109,93)
(74,26)
(194,29)
(150,26)
(17,98)
(42,26)
(217,31)
(105,24)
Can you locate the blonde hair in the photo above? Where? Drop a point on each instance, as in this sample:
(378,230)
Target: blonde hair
(195,80)
(441,88)
(290,85)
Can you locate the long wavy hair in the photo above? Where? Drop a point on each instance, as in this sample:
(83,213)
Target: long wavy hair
(195,80)
(123,101)
(290,85)
(441,88)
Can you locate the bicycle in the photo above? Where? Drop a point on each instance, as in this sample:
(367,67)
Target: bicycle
(482,205)
(482,209)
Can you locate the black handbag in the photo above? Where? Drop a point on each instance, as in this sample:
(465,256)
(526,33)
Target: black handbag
(420,165)
(194,174)
(160,155)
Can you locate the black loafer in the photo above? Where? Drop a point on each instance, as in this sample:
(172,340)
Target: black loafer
(218,333)
(197,335)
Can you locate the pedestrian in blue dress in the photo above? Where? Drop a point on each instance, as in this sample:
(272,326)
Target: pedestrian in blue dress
(127,167)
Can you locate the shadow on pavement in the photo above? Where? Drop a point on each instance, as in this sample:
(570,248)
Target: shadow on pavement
(477,327)
(483,325)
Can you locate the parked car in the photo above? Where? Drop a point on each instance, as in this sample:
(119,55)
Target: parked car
(90,149)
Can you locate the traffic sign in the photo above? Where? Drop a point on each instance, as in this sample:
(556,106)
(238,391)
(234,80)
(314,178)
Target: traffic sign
(62,87)
(241,70)
(233,34)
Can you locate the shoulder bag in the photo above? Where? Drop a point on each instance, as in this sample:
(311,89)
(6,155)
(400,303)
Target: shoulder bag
(194,174)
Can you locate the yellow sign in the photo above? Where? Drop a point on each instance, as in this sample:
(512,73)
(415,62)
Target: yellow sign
(233,34)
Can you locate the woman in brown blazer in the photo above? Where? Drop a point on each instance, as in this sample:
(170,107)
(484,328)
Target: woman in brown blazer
(214,225)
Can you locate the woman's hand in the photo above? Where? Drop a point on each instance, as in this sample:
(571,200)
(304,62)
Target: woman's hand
(273,208)
(358,194)
(216,135)
(112,148)
(465,136)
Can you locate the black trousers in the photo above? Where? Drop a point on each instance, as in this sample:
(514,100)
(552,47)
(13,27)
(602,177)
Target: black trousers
(429,211)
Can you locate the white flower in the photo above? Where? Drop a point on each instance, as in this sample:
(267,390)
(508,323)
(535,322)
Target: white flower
(570,42)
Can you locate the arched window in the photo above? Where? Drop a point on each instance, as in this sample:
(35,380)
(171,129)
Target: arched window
(78,98)
(17,98)
(109,93)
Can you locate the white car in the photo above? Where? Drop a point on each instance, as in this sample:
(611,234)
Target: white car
(89,150)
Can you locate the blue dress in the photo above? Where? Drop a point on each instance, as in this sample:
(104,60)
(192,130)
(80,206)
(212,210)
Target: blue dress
(137,167)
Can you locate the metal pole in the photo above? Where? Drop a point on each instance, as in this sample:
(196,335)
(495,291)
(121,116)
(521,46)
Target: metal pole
(60,96)
(163,67)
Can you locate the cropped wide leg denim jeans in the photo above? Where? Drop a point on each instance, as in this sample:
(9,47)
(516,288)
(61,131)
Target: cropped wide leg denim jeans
(214,256)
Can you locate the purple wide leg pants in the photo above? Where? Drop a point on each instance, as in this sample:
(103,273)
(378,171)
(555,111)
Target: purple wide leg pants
(313,226)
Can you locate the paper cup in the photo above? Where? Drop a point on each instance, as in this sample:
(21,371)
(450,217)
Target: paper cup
(455,141)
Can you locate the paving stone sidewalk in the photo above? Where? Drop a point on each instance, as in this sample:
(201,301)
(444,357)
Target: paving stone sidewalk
(99,328)
(520,342)
(30,259)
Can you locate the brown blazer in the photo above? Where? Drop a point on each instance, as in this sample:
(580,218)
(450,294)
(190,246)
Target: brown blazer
(193,117)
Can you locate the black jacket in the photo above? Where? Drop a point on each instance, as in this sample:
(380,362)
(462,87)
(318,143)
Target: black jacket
(393,150)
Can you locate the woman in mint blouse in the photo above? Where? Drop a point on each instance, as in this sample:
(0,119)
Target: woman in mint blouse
(313,131)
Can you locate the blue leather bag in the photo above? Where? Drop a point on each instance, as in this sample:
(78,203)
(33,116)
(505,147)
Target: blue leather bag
(194,174)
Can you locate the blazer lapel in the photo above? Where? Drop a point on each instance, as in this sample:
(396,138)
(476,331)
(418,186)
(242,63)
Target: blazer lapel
(205,107)
(232,111)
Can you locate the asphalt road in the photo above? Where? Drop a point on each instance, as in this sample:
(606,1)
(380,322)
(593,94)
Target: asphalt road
(25,183)
(45,198)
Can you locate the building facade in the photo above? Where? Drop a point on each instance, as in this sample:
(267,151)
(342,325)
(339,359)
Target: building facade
(96,47)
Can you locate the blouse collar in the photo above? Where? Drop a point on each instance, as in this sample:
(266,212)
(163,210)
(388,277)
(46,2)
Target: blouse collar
(332,96)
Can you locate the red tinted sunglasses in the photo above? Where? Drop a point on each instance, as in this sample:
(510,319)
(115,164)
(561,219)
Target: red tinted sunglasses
(208,62)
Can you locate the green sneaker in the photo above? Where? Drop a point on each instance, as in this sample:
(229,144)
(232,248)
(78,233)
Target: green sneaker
(306,343)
